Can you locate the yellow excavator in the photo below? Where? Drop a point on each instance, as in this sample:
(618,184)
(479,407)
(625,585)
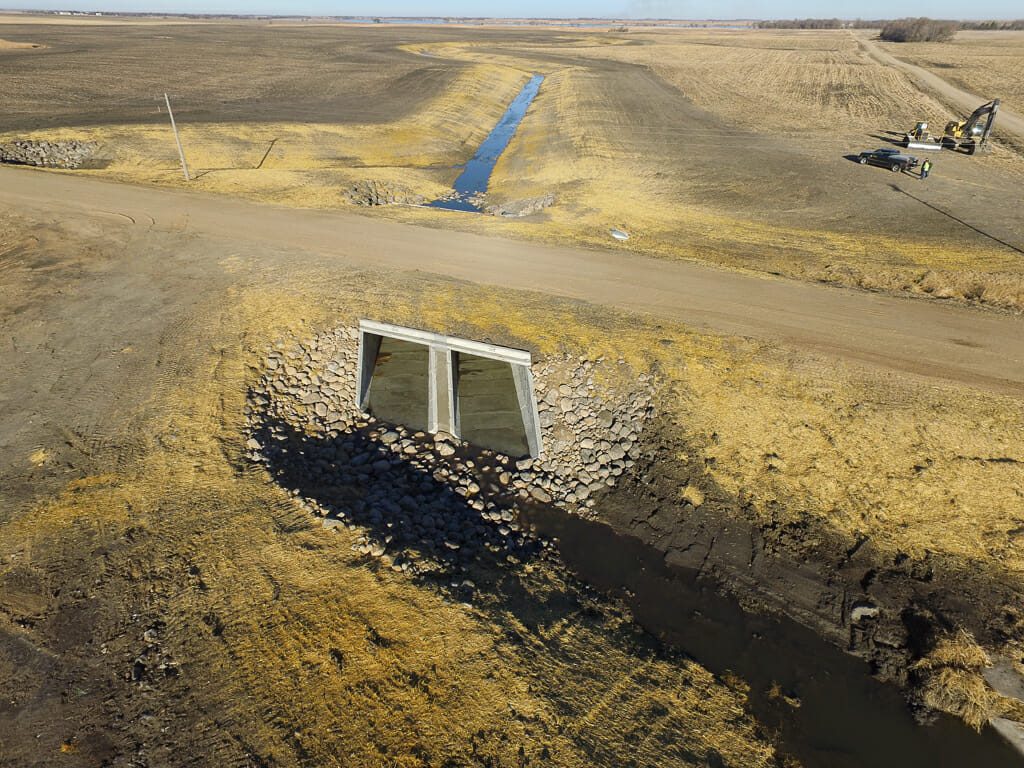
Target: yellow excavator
(968,135)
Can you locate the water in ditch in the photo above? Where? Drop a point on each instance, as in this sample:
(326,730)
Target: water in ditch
(837,715)
(474,179)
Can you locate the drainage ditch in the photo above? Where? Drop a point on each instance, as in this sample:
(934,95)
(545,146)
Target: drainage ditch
(471,184)
(437,508)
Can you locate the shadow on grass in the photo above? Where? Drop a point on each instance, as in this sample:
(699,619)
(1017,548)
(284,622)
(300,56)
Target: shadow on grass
(548,599)
(889,137)
(957,219)
(266,154)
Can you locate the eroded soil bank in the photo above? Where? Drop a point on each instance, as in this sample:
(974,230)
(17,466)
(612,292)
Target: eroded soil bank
(820,702)
(887,608)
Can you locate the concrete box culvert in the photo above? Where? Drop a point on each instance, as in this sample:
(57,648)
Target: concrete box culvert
(305,427)
(477,392)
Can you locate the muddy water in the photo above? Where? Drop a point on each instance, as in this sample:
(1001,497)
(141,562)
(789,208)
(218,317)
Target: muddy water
(473,180)
(837,716)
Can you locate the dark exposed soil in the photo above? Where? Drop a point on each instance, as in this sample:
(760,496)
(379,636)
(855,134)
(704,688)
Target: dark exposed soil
(806,571)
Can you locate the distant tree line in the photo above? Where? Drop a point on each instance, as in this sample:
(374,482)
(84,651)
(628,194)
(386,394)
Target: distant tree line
(921,30)
(802,24)
(992,25)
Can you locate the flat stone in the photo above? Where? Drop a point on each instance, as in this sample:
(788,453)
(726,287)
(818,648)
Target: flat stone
(539,494)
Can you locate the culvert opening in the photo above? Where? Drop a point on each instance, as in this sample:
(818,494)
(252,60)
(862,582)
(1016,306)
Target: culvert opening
(477,392)
(581,419)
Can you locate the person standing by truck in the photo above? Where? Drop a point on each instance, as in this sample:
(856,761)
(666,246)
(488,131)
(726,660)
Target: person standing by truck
(926,168)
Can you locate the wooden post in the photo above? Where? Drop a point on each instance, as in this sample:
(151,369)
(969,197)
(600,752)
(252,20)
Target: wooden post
(181,152)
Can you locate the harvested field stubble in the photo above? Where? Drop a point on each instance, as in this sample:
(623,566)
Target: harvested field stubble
(987,63)
(662,134)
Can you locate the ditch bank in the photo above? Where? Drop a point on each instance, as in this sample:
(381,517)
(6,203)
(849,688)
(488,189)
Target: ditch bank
(785,606)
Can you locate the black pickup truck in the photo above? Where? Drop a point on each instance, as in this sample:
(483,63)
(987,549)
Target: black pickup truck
(889,158)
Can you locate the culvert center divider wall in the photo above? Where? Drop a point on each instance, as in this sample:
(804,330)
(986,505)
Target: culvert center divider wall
(446,411)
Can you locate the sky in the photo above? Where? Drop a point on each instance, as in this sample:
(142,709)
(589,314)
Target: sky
(621,9)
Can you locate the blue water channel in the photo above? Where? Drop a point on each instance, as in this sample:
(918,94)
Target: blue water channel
(473,180)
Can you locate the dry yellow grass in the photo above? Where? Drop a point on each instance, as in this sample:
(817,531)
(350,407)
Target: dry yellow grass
(814,83)
(951,680)
(10,44)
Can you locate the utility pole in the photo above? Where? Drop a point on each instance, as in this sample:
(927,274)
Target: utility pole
(181,152)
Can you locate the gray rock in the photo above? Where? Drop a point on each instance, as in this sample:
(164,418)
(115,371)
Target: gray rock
(863,610)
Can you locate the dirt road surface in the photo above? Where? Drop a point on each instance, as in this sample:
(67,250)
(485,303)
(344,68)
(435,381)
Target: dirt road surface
(968,102)
(948,342)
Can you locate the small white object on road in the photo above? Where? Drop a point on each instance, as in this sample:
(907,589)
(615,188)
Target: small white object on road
(618,234)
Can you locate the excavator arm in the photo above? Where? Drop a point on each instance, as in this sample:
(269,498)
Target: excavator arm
(973,132)
(975,127)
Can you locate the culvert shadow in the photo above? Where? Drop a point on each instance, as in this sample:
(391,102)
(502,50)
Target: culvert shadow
(471,549)
(429,520)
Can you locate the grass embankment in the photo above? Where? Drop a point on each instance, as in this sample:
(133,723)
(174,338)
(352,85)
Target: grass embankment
(308,165)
